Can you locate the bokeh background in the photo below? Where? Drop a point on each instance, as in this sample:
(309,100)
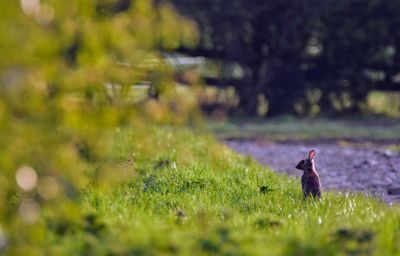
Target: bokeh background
(96,97)
(305,58)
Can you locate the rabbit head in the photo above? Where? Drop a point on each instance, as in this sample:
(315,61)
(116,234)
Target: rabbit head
(307,164)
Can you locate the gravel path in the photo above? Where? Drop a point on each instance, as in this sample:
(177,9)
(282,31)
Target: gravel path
(365,167)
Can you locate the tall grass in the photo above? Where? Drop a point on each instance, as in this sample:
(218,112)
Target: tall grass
(185,194)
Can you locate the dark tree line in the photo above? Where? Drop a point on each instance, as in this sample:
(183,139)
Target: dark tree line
(300,54)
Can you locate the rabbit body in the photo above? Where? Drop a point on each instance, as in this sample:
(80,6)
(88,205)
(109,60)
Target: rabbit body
(310,181)
(311,184)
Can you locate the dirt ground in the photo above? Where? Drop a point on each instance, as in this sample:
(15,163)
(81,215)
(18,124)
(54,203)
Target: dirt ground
(365,166)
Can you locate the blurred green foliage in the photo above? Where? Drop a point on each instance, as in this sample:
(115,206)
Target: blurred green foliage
(83,170)
(66,76)
(384,103)
(304,57)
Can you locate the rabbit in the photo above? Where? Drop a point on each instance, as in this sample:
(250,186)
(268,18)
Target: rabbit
(310,181)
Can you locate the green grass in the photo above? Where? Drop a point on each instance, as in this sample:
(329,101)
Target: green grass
(295,128)
(393,147)
(185,194)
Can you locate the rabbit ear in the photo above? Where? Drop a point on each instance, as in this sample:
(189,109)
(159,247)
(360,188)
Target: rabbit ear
(311,154)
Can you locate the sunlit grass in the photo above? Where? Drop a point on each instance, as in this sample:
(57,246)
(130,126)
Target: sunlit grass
(394,147)
(188,195)
(298,128)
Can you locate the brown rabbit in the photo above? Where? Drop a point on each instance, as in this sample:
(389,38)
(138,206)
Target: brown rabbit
(310,182)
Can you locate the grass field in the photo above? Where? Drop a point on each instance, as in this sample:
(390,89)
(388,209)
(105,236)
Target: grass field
(185,194)
(296,128)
